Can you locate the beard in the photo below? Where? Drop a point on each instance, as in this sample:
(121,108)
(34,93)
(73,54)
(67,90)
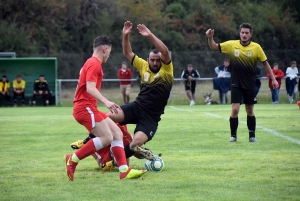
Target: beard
(154,69)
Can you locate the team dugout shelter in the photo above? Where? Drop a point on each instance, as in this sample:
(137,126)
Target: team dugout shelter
(30,69)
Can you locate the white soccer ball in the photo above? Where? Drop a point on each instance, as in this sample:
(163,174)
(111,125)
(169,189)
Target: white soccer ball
(156,165)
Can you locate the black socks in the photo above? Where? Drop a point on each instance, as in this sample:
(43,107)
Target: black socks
(251,123)
(234,122)
(128,151)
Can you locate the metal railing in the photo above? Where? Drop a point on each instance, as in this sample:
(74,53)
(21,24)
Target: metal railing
(59,83)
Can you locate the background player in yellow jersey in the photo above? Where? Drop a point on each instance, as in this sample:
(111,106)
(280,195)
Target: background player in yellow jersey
(244,55)
(156,83)
(19,90)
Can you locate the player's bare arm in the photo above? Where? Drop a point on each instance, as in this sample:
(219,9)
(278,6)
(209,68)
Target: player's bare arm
(162,48)
(210,37)
(127,50)
(269,70)
(91,89)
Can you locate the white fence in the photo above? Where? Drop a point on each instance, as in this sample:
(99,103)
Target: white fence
(178,82)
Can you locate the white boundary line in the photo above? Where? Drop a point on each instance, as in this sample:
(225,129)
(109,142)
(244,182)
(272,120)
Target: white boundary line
(260,127)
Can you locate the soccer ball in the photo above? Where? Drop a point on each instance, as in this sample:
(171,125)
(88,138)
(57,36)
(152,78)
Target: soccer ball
(156,165)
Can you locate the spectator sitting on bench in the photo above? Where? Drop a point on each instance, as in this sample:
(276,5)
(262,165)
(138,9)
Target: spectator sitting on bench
(41,89)
(4,89)
(19,89)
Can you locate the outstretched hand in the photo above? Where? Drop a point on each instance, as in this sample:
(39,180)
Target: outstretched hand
(144,31)
(127,28)
(210,33)
(112,107)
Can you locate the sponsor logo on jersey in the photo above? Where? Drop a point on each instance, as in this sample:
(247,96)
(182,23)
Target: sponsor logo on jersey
(249,53)
(236,53)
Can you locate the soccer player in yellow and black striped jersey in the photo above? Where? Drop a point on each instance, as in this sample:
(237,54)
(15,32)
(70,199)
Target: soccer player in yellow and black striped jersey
(19,89)
(156,83)
(244,55)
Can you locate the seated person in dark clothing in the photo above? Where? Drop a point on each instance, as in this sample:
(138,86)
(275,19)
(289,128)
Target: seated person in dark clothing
(41,89)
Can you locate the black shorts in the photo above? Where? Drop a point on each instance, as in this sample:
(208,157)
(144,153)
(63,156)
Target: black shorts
(192,88)
(145,121)
(246,96)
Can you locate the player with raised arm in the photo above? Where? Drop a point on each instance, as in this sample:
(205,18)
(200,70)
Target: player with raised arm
(85,112)
(244,55)
(156,83)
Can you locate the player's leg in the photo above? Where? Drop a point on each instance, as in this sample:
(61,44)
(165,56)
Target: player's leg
(250,100)
(7,97)
(127,93)
(236,97)
(34,98)
(144,132)
(46,97)
(117,149)
(93,120)
(193,92)
(23,97)
(15,99)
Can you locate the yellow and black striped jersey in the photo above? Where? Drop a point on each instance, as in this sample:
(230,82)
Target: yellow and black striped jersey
(155,87)
(243,62)
(19,85)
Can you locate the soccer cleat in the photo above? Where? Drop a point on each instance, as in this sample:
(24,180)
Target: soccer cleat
(108,166)
(77,145)
(252,139)
(131,173)
(192,103)
(146,152)
(232,139)
(70,166)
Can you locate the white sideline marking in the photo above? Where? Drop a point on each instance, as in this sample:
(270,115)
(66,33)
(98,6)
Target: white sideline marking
(260,127)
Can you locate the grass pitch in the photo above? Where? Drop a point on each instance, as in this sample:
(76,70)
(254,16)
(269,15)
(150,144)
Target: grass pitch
(200,163)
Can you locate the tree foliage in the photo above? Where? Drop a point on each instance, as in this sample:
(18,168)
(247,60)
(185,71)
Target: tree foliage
(55,27)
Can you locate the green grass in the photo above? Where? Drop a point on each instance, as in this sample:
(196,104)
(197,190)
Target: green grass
(200,163)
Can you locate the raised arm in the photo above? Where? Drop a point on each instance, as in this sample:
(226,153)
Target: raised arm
(162,48)
(210,37)
(125,41)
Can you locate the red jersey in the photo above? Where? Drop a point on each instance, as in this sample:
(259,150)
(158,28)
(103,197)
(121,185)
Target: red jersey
(279,74)
(124,75)
(91,71)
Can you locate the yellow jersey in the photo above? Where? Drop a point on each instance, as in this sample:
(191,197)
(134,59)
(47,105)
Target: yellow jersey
(4,86)
(155,87)
(243,62)
(19,85)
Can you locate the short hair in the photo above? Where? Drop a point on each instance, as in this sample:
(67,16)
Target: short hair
(275,64)
(124,62)
(189,65)
(155,51)
(4,76)
(18,76)
(293,62)
(227,60)
(101,40)
(41,75)
(247,26)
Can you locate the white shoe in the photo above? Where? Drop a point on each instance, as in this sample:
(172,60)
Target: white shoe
(192,103)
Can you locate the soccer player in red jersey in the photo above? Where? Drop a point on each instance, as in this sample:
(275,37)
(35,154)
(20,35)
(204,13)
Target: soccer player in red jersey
(96,122)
